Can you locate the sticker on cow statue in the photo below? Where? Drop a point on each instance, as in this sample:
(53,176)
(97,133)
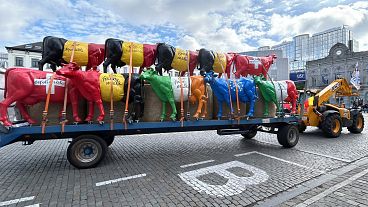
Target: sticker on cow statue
(137,53)
(80,52)
(45,82)
(118,86)
(176,86)
(180,60)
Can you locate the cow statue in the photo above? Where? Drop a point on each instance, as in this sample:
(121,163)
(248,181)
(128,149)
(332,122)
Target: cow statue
(247,65)
(246,91)
(117,54)
(169,57)
(27,87)
(168,89)
(277,91)
(59,50)
(88,84)
(213,61)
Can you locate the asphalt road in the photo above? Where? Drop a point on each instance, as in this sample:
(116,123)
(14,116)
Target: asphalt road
(192,169)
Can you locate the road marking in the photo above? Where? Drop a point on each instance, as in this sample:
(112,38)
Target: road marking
(5,203)
(310,152)
(120,179)
(197,163)
(243,154)
(34,205)
(328,156)
(279,159)
(234,185)
(332,189)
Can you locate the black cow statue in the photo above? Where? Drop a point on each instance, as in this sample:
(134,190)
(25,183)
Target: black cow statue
(56,51)
(135,96)
(117,54)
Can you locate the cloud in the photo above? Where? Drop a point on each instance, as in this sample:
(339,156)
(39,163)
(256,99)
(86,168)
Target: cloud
(354,15)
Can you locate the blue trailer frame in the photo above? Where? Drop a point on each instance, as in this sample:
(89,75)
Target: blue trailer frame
(102,134)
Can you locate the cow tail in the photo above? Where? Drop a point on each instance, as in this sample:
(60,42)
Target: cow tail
(43,45)
(106,41)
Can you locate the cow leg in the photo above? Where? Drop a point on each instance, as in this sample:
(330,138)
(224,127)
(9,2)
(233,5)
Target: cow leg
(163,112)
(91,107)
(174,112)
(102,112)
(182,73)
(252,101)
(266,110)
(197,96)
(53,67)
(23,111)
(219,113)
(106,64)
(158,68)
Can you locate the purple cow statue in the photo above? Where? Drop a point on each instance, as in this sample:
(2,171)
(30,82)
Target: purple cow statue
(246,91)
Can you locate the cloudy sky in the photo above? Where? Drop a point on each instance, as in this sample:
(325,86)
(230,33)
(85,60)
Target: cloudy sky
(223,25)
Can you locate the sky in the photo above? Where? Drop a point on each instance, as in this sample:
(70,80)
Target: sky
(221,25)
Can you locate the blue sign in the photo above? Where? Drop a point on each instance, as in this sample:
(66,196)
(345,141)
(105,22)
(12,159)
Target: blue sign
(297,76)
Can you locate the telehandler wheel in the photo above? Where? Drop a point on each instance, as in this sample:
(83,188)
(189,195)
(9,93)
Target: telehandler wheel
(288,136)
(302,127)
(332,125)
(86,151)
(250,134)
(109,140)
(358,124)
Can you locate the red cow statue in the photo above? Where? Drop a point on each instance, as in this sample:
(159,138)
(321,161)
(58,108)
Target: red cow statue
(87,83)
(247,65)
(27,87)
(58,50)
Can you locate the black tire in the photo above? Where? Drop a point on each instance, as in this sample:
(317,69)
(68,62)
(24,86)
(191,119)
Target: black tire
(250,134)
(288,136)
(358,124)
(332,125)
(86,151)
(109,140)
(302,127)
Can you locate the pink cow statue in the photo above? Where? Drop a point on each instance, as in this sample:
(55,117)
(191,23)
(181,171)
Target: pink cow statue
(247,65)
(27,87)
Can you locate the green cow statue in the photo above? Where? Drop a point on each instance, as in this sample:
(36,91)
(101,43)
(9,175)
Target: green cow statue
(162,87)
(276,92)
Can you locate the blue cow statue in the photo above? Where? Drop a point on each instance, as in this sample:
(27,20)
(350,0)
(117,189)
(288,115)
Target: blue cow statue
(246,91)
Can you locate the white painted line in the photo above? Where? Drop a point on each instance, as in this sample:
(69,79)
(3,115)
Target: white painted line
(323,155)
(197,163)
(6,203)
(243,154)
(34,205)
(332,189)
(120,179)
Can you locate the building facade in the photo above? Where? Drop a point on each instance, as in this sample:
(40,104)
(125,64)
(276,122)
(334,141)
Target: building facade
(3,60)
(280,69)
(305,48)
(340,62)
(26,55)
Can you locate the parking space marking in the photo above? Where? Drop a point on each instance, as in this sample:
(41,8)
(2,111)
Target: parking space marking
(310,152)
(197,163)
(279,159)
(120,179)
(328,156)
(34,205)
(332,189)
(6,203)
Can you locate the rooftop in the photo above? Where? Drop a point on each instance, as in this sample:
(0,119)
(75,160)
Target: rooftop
(31,47)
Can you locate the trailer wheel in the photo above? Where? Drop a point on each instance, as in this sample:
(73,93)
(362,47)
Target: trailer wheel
(288,136)
(86,151)
(250,134)
(109,140)
(358,124)
(332,126)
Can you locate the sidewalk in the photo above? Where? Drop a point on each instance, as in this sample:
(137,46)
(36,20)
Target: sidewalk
(346,186)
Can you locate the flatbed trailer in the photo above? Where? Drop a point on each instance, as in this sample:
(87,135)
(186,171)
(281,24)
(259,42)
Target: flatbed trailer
(90,141)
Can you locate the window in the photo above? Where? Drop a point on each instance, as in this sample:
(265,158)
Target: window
(34,63)
(19,61)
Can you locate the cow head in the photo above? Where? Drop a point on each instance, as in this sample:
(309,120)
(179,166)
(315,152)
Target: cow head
(273,57)
(209,77)
(148,74)
(68,70)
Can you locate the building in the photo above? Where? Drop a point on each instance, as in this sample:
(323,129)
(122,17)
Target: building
(3,60)
(26,55)
(305,48)
(340,62)
(280,69)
